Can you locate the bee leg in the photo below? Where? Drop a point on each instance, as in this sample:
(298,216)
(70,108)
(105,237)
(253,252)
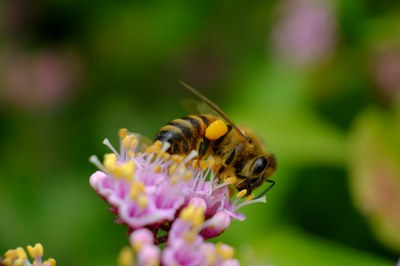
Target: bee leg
(203,147)
(268,188)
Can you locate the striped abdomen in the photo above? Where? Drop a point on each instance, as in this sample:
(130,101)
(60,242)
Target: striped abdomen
(184,134)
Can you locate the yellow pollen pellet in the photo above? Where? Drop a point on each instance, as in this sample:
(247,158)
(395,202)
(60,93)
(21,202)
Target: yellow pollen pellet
(241,194)
(35,251)
(122,133)
(216,130)
(250,197)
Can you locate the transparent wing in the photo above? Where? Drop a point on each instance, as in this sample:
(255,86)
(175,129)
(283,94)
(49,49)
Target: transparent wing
(211,108)
(197,107)
(144,141)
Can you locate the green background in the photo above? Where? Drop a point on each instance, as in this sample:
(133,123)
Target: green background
(74,72)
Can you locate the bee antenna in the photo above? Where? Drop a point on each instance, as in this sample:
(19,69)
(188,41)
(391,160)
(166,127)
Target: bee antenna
(267,189)
(215,107)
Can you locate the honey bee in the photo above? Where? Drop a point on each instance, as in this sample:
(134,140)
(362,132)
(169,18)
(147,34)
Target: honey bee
(240,151)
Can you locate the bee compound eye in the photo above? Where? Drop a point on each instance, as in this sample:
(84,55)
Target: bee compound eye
(260,165)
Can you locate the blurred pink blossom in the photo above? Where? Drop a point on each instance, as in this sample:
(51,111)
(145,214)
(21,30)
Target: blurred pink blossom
(386,72)
(42,80)
(305,31)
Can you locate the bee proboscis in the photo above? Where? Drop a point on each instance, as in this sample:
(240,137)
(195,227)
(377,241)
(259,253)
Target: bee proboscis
(240,151)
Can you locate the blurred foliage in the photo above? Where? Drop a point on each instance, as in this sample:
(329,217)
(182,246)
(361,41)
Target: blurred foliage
(318,80)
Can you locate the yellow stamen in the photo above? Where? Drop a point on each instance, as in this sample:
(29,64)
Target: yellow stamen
(36,251)
(158,145)
(204,164)
(122,133)
(126,257)
(187,213)
(224,251)
(198,217)
(231,180)
(187,176)
(250,197)
(131,154)
(137,188)
(174,179)
(172,169)
(216,130)
(50,262)
(143,202)
(176,158)
(241,194)
(124,170)
(195,164)
(130,142)
(155,147)
(189,236)
(158,169)
(211,258)
(21,262)
(15,257)
(192,214)
(166,156)
(181,168)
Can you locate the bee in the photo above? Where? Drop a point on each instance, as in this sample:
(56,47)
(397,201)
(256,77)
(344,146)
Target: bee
(239,150)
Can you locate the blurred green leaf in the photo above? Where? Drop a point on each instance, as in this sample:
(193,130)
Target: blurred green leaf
(285,246)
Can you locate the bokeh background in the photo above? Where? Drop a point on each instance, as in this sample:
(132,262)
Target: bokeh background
(318,80)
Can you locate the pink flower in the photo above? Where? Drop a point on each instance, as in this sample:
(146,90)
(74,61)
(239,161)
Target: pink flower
(305,31)
(165,198)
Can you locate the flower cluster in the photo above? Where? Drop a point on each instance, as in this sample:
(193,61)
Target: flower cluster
(18,257)
(171,199)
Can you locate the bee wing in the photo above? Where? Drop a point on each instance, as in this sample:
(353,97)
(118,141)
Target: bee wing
(212,108)
(144,141)
(199,107)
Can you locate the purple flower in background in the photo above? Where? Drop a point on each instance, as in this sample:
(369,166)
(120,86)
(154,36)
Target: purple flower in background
(386,72)
(305,31)
(39,80)
(169,199)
